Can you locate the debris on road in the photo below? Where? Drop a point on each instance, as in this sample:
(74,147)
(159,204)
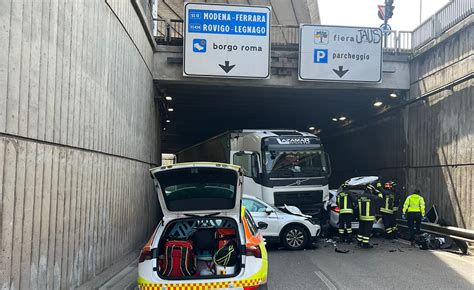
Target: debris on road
(343,251)
(428,241)
(331,241)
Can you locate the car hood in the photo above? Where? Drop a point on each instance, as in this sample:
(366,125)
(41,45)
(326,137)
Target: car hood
(198,189)
(291,209)
(361,180)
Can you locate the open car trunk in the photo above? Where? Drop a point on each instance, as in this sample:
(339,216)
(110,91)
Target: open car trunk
(198,189)
(199,248)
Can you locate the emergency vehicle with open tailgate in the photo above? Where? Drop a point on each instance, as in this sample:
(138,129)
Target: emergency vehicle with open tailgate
(206,239)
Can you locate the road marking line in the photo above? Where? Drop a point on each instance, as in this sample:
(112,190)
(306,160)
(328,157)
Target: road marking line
(326,281)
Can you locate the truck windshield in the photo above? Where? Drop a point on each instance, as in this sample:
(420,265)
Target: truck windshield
(306,163)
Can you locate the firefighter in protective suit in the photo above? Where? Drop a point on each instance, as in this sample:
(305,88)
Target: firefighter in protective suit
(387,212)
(367,205)
(390,186)
(345,202)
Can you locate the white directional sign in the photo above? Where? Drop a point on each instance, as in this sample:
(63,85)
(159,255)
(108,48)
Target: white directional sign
(340,54)
(227,41)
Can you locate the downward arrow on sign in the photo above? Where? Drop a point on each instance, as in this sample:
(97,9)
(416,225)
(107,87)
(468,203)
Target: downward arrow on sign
(341,72)
(227,68)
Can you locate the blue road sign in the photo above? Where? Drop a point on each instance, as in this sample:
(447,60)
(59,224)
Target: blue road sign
(320,55)
(387,29)
(230,41)
(199,45)
(227,22)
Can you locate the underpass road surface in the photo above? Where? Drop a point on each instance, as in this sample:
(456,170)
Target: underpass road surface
(389,265)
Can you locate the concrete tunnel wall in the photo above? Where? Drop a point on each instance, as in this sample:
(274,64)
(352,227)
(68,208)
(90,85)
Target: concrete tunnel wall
(426,144)
(78,132)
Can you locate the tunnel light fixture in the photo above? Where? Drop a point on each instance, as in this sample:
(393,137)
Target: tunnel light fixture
(342,118)
(334,119)
(168,121)
(311,128)
(378,103)
(393,95)
(170,109)
(168,98)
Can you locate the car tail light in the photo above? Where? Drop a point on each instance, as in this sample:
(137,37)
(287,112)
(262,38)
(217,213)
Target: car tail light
(145,254)
(254,251)
(256,287)
(335,209)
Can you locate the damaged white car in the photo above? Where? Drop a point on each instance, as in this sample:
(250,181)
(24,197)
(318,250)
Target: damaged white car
(356,185)
(288,225)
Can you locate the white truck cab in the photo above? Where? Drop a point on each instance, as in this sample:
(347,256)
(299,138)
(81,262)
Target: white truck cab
(280,166)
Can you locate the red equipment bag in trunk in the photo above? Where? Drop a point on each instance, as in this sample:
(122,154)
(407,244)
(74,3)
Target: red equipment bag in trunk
(180,260)
(224,235)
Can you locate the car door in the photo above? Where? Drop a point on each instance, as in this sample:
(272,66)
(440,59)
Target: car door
(250,164)
(259,214)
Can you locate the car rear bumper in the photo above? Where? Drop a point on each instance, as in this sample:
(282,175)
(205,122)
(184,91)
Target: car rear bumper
(254,275)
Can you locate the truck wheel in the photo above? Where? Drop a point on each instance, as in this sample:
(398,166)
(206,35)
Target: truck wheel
(294,237)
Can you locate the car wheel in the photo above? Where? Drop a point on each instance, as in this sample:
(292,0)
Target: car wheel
(294,237)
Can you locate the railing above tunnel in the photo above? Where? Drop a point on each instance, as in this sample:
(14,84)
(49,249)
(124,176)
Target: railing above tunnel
(172,32)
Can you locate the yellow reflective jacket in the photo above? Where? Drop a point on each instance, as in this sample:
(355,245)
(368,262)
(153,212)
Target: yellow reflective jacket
(345,202)
(414,203)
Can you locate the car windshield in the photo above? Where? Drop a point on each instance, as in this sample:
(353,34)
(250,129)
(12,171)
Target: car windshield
(304,163)
(198,188)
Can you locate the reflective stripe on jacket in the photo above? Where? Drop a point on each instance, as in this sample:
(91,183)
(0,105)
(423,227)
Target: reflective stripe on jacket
(366,208)
(388,203)
(344,202)
(414,203)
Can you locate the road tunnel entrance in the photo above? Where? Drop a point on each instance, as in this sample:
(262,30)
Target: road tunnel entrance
(193,113)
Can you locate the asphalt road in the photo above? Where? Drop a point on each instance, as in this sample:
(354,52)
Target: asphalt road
(389,265)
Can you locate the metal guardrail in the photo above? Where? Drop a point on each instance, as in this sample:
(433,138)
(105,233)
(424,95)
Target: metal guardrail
(459,235)
(448,16)
(171,32)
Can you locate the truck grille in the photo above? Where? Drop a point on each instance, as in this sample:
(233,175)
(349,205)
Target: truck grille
(309,202)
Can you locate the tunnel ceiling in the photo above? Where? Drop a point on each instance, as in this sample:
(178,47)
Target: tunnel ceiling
(202,111)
